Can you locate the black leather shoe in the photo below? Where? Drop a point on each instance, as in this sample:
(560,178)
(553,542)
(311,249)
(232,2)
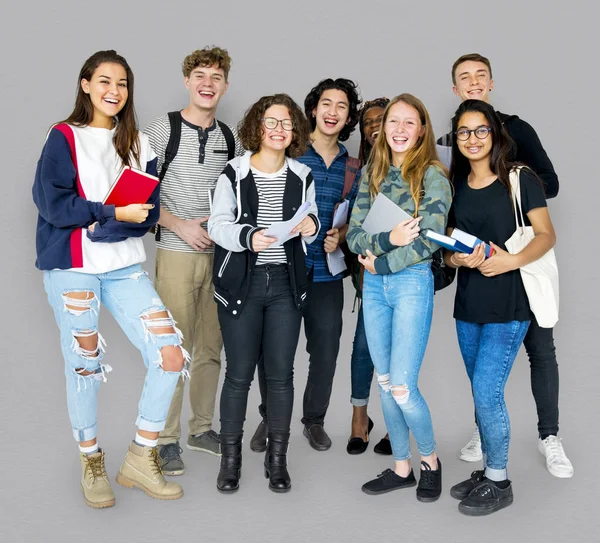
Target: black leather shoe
(387,481)
(430,483)
(461,490)
(356,445)
(276,462)
(486,498)
(317,437)
(383,447)
(258,443)
(230,471)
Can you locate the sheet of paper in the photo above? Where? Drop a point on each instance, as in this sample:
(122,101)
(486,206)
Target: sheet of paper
(336,262)
(340,217)
(281,230)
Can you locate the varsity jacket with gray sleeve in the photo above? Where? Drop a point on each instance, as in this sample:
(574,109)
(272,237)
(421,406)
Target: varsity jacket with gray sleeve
(232,224)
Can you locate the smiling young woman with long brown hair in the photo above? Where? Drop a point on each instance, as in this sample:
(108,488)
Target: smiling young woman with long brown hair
(91,254)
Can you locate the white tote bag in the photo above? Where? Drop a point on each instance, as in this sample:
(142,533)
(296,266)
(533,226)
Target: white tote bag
(540,278)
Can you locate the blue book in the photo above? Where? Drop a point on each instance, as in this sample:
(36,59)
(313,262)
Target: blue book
(459,241)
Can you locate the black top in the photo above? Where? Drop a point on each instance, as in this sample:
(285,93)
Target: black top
(488,214)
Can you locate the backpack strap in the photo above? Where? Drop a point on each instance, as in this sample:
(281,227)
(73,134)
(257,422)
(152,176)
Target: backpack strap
(352,167)
(175,120)
(229,139)
(173,144)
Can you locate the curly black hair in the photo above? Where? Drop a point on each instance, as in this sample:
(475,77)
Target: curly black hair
(365,148)
(345,85)
(250,128)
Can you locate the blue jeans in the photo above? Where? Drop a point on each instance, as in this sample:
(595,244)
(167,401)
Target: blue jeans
(361,365)
(489,351)
(130,297)
(397,311)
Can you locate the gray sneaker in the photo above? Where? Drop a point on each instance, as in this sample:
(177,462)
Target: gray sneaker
(170,459)
(208,442)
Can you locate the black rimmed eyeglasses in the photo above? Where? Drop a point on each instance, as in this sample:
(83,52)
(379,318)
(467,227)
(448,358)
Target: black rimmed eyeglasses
(271,123)
(481,132)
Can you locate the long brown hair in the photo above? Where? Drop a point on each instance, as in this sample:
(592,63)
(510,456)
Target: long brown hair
(126,139)
(418,159)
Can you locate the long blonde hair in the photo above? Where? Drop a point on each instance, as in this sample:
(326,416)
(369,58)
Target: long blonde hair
(418,159)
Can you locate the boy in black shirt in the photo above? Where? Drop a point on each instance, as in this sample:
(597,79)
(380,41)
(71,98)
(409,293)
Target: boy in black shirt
(472,79)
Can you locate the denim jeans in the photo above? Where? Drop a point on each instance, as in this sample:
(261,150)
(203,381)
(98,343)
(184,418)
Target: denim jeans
(268,328)
(323,328)
(539,345)
(361,365)
(397,312)
(489,351)
(130,297)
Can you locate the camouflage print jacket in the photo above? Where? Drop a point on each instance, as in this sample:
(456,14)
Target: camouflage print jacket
(434,210)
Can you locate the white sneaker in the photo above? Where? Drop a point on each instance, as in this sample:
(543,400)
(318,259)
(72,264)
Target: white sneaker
(471,452)
(556,460)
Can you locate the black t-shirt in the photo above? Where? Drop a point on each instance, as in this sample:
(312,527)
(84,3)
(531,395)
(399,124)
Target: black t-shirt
(488,214)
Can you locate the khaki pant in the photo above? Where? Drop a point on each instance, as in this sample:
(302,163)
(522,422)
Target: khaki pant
(184,283)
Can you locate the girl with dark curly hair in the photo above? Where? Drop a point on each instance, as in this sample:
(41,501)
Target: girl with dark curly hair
(261,284)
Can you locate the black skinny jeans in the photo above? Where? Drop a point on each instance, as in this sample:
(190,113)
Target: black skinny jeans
(323,328)
(539,344)
(269,325)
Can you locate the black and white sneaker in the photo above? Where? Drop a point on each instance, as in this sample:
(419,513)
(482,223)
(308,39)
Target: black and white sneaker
(387,481)
(486,498)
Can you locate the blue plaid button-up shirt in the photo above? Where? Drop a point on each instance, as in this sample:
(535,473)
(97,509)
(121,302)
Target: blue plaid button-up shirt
(329,185)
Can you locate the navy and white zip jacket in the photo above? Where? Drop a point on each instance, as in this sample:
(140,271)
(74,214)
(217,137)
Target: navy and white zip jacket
(233,222)
(75,172)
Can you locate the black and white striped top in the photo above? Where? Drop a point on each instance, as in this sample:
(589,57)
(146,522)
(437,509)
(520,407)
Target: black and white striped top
(201,157)
(270,188)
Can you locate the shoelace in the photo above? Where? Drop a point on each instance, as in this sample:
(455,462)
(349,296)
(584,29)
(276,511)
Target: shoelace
(475,442)
(554,450)
(96,467)
(211,434)
(155,462)
(170,451)
(427,477)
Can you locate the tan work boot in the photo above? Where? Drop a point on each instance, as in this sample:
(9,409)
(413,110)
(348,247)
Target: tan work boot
(95,486)
(141,468)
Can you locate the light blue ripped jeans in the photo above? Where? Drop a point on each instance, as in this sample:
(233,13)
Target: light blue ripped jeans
(130,297)
(397,313)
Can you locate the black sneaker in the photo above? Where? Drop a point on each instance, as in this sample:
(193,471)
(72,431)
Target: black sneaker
(387,481)
(170,459)
(486,498)
(383,447)
(430,483)
(461,490)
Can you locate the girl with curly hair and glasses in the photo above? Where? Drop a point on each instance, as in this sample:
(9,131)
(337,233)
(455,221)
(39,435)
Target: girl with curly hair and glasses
(260,283)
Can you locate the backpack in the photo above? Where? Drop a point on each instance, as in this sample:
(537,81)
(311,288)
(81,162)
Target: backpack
(175,120)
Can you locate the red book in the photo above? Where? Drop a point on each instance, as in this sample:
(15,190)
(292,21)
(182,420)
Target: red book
(131,187)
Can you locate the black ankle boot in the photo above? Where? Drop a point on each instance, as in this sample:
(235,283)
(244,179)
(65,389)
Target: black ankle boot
(276,462)
(230,472)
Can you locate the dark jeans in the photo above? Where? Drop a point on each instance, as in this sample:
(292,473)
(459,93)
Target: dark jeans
(361,365)
(539,345)
(269,326)
(323,328)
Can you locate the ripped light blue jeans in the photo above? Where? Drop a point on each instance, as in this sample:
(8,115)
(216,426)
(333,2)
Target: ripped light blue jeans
(130,297)
(397,313)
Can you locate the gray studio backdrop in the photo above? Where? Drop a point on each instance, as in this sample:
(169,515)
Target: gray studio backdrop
(544,71)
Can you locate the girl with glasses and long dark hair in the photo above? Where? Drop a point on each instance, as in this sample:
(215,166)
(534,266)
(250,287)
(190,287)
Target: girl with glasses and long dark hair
(260,284)
(491,307)
(91,254)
